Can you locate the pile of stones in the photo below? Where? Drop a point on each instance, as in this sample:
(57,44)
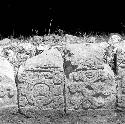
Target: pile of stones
(63,74)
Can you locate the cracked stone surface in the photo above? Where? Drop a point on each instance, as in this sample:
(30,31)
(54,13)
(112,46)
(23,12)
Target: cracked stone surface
(86,83)
(73,77)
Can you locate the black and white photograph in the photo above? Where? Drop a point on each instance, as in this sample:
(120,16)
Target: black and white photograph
(62,62)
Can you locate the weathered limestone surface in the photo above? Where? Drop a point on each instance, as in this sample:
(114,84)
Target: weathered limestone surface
(47,82)
(42,82)
(6,68)
(8,89)
(91,85)
(77,79)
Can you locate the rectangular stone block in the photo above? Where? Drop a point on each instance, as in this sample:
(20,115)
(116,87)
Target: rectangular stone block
(41,86)
(91,89)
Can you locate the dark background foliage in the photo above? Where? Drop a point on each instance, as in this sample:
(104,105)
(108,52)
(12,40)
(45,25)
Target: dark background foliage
(26,18)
